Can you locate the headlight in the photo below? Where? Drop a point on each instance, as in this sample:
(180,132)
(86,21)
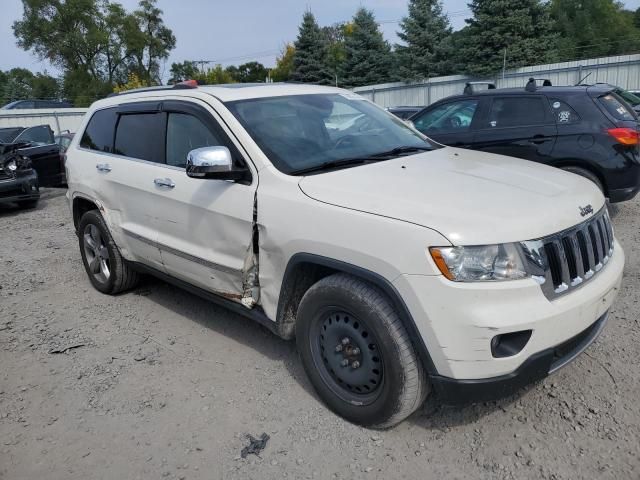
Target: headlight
(485,263)
(11,165)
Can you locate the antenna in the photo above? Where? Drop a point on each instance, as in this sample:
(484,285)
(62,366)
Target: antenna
(583,78)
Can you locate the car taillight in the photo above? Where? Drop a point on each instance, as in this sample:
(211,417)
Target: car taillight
(625,136)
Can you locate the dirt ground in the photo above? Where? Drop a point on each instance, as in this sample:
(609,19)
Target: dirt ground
(158,383)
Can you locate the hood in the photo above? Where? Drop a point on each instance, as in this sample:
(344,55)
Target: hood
(472,198)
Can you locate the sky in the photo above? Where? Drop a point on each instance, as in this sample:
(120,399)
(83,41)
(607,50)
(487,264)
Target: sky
(237,31)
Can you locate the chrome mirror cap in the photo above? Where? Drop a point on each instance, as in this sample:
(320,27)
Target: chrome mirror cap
(214,159)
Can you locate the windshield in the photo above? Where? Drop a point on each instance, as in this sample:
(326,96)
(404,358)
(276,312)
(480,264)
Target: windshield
(300,132)
(8,135)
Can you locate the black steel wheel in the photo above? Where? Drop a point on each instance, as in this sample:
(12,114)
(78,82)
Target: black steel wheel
(346,353)
(357,353)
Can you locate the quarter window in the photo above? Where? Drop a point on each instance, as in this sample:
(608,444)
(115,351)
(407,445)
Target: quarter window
(448,118)
(186,133)
(517,112)
(563,113)
(99,132)
(140,135)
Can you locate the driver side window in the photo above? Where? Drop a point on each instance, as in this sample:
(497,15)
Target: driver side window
(185,133)
(453,117)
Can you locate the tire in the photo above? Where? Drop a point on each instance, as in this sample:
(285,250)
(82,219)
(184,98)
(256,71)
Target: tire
(586,174)
(108,272)
(389,374)
(27,204)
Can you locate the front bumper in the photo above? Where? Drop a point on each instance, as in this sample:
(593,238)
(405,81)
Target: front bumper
(456,392)
(457,321)
(623,194)
(21,188)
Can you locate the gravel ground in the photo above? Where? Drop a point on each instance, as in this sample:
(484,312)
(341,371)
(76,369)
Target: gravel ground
(161,384)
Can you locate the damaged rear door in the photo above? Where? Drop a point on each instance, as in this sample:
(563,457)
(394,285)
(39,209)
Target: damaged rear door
(205,226)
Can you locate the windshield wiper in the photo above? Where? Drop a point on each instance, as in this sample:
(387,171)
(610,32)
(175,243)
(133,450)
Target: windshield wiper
(401,150)
(347,162)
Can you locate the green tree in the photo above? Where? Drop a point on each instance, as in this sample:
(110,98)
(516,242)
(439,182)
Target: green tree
(425,32)
(151,43)
(214,76)
(250,72)
(334,38)
(284,64)
(21,84)
(368,59)
(521,27)
(66,34)
(183,71)
(592,28)
(310,53)
(45,86)
(96,43)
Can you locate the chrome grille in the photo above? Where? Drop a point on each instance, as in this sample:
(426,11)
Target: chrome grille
(3,174)
(564,261)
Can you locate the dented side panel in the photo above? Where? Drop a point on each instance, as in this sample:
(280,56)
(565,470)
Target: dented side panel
(205,233)
(289,222)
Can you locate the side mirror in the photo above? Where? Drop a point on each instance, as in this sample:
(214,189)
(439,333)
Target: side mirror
(213,163)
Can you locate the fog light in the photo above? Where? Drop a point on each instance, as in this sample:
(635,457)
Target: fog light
(509,344)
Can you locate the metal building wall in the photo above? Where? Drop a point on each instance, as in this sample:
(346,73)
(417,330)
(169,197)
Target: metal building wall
(623,71)
(58,119)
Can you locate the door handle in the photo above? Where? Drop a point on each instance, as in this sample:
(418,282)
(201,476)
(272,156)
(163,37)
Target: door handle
(538,139)
(164,182)
(103,167)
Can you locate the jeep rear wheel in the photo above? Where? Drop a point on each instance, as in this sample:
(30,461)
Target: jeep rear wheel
(357,352)
(107,270)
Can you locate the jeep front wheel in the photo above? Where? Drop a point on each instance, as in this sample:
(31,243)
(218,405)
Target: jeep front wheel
(357,352)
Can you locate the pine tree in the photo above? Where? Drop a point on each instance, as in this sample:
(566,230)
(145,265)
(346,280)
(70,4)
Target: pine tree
(310,54)
(425,32)
(594,28)
(368,59)
(522,27)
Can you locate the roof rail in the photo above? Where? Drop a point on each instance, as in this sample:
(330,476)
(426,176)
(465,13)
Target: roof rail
(532,85)
(187,84)
(469,90)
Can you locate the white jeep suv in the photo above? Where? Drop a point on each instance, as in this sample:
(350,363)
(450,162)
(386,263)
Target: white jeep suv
(400,266)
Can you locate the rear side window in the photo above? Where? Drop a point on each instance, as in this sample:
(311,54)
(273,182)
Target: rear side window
(616,108)
(99,132)
(141,136)
(517,112)
(562,112)
(185,133)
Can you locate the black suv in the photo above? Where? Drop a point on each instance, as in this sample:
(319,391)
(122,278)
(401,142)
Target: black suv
(588,130)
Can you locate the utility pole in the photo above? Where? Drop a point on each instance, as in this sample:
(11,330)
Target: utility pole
(504,65)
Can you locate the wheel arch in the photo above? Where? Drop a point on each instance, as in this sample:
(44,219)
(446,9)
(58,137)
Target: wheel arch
(79,206)
(305,269)
(577,163)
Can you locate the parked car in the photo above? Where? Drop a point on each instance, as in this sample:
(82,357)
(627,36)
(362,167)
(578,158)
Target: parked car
(588,130)
(400,266)
(18,179)
(631,98)
(38,144)
(35,104)
(64,140)
(403,113)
